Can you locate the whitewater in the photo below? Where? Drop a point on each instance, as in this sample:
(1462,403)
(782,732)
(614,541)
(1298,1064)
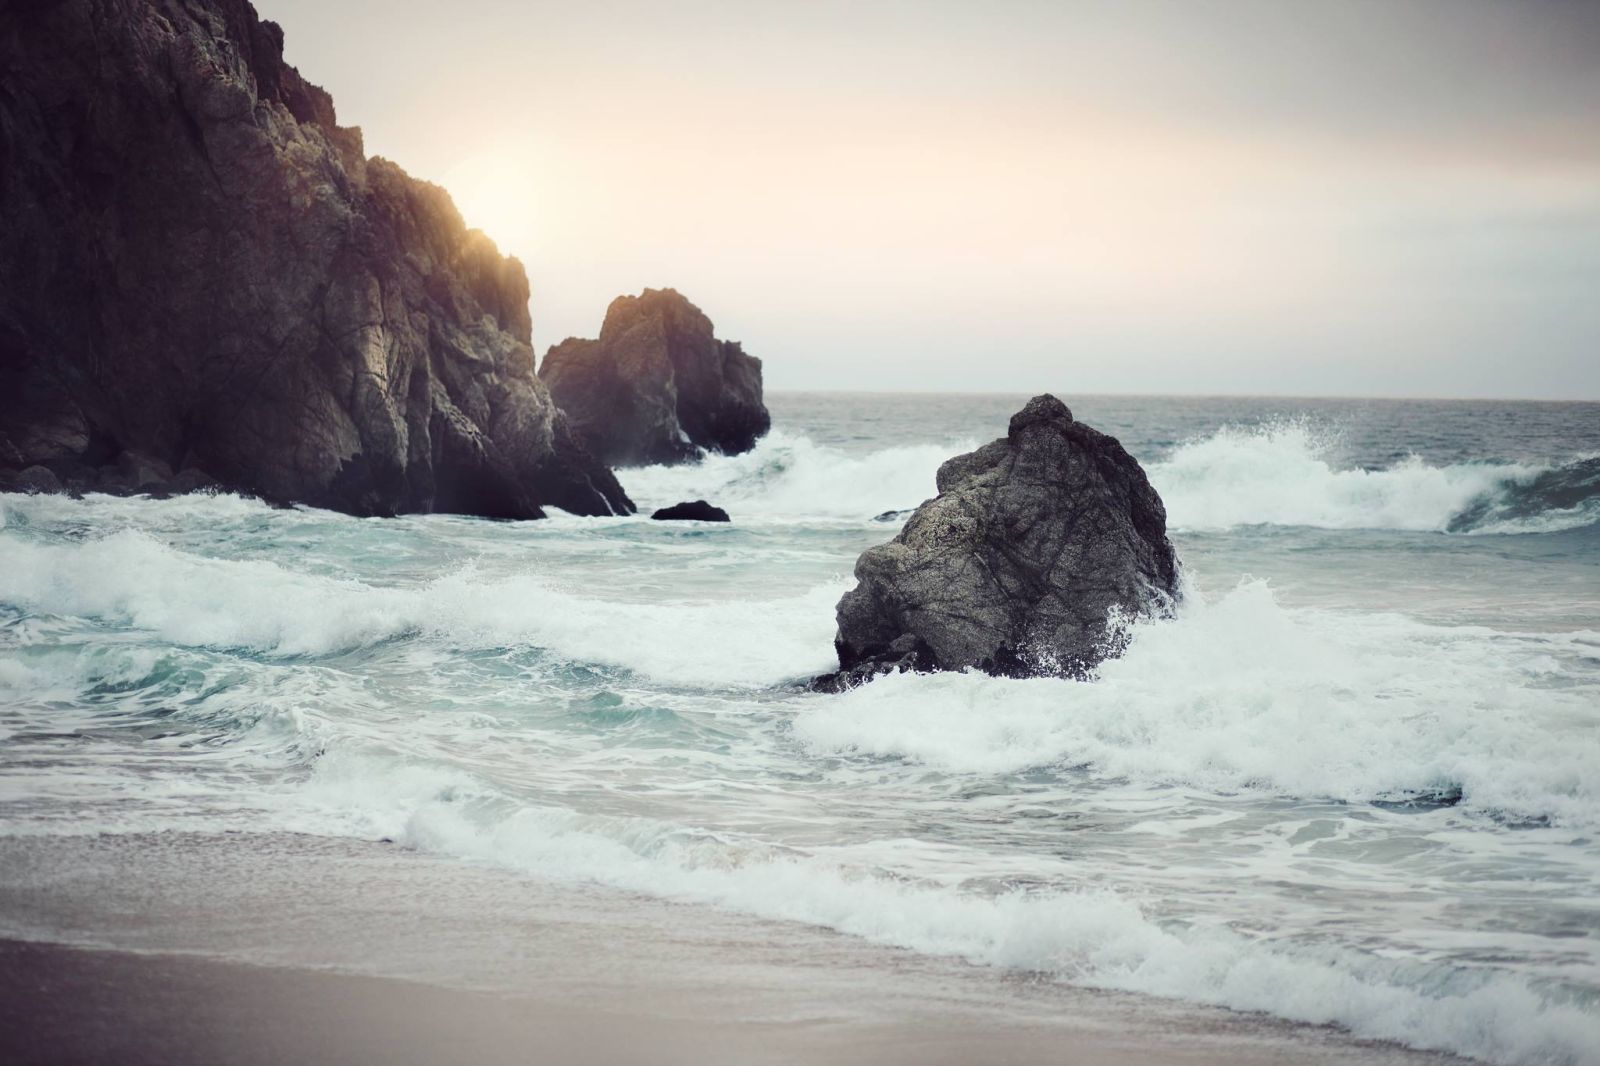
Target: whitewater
(1355,781)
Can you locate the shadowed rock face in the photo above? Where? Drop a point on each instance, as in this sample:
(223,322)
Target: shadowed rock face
(658,387)
(200,268)
(1034,542)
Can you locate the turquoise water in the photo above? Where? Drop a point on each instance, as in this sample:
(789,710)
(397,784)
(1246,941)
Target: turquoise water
(1355,781)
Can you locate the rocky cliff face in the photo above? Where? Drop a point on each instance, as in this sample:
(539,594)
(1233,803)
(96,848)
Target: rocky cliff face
(658,387)
(200,269)
(1021,563)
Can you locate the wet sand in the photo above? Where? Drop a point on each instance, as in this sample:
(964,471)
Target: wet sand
(191,948)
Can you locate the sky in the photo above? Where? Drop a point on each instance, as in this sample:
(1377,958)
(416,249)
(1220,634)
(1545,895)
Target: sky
(1353,198)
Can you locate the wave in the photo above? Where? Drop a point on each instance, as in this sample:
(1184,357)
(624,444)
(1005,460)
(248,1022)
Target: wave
(1274,474)
(1281,474)
(1555,499)
(1087,936)
(131,578)
(789,476)
(1245,694)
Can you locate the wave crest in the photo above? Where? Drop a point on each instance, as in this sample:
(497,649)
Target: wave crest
(790,476)
(1281,474)
(131,578)
(1278,474)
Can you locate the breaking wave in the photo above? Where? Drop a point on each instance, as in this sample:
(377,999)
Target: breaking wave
(1562,497)
(1282,474)
(789,476)
(130,578)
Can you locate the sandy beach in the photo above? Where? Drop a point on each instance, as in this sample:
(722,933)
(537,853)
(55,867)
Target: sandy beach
(187,948)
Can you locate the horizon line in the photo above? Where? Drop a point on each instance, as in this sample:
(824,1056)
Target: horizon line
(1187,395)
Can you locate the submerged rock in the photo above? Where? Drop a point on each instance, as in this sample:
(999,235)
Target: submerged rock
(36,479)
(692,511)
(657,387)
(201,271)
(1020,566)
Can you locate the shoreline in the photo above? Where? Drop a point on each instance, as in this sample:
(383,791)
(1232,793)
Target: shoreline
(189,948)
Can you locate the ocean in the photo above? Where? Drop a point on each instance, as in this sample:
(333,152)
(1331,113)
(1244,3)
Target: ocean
(1355,781)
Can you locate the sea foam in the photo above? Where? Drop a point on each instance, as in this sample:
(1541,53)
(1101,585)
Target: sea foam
(1283,474)
(1277,473)
(1089,936)
(131,578)
(789,476)
(1242,699)
(1246,694)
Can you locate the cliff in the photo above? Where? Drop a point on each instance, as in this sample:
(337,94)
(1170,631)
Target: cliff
(200,269)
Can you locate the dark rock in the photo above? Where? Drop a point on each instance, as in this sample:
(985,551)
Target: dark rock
(697,511)
(907,653)
(37,479)
(1034,545)
(657,387)
(890,516)
(199,265)
(188,481)
(142,474)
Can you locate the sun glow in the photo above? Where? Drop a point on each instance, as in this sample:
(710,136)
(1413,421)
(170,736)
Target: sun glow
(495,193)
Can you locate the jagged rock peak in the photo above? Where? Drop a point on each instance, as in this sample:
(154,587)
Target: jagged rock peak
(1022,564)
(658,386)
(200,267)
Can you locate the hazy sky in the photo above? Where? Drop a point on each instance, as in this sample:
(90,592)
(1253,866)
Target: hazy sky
(1353,198)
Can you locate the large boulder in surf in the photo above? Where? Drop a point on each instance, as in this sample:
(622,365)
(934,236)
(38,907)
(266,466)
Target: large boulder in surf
(1020,566)
(657,386)
(201,270)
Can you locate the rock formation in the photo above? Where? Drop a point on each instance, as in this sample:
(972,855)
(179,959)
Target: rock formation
(200,270)
(692,511)
(657,387)
(1019,566)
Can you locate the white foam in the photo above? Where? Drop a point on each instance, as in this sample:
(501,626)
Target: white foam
(106,510)
(789,476)
(1244,693)
(1282,474)
(132,578)
(1093,937)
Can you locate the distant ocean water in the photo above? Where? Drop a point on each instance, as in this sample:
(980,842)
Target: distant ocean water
(1355,781)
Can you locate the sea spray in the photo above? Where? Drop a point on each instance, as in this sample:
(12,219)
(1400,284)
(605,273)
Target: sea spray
(789,476)
(1245,694)
(1283,474)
